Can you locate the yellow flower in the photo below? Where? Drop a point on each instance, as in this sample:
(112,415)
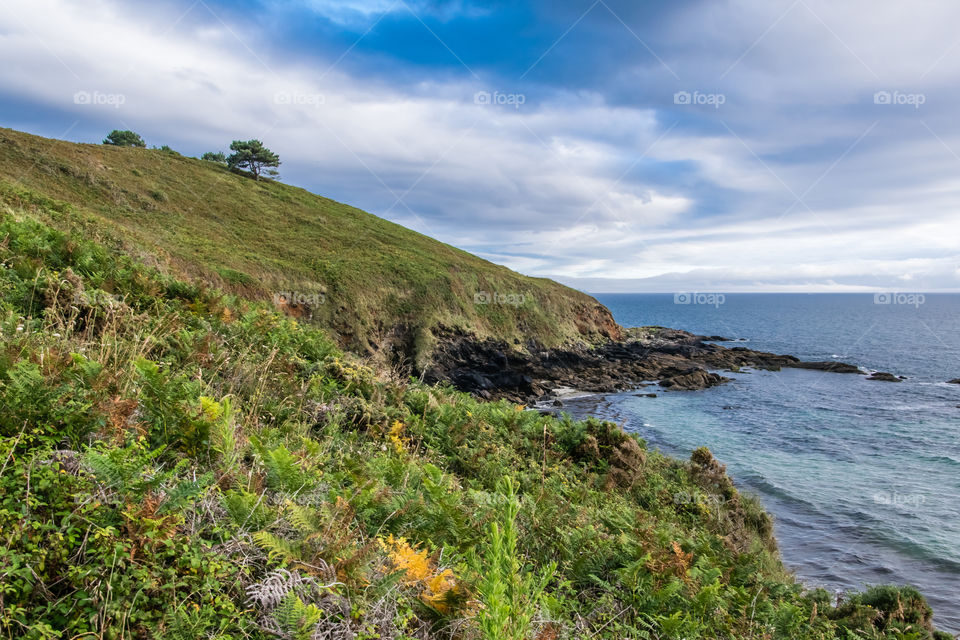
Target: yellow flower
(395,436)
(418,570)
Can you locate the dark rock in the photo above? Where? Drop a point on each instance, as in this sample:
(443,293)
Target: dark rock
(883,376)
(828,365)
(558,403)
(645,395)
(680,360)
(692,380)
(954,381)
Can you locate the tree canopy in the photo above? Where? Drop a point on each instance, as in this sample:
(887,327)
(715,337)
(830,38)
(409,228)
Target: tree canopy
(254,157)
(214,156)
(124,138)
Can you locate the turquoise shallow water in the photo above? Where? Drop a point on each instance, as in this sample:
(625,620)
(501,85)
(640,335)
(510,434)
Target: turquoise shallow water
(862,478)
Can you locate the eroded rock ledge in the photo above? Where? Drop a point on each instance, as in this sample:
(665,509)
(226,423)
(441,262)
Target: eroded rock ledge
(678,360)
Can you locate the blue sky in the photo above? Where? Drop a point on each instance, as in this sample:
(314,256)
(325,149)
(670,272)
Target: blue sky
(751,145)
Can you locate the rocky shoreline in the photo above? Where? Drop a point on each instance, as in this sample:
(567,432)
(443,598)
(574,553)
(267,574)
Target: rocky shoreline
(677,360)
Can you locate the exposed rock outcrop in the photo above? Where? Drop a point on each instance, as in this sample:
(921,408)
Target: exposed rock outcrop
(883,376)
(678,360)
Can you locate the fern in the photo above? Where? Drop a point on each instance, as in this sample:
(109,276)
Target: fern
(296,618)
(277,548)
(184,493)
(130,470)
(246,509)
(303,519)
(284,472)
(288,600)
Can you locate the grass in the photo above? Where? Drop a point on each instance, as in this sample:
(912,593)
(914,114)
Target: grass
(387,289)
(177,461)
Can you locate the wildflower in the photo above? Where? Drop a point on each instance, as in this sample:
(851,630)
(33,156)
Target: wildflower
(418,570)
(395,436)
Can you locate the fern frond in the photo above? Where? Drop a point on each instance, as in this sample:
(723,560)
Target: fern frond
(277,548)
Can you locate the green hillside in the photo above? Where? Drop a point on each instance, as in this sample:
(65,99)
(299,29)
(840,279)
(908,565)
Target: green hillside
(178,461)
(376,285)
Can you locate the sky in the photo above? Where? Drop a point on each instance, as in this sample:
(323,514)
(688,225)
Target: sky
(614,145)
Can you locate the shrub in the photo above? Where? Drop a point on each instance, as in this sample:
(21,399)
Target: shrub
(214,156)
(510,592)
(124,138)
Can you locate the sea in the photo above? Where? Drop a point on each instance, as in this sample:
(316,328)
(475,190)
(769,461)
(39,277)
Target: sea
(861,477)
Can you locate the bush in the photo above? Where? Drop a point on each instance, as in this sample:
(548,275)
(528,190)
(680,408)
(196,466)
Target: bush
(214,156)
(124,138)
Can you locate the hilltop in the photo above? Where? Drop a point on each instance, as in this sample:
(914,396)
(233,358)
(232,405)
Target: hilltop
(378,287)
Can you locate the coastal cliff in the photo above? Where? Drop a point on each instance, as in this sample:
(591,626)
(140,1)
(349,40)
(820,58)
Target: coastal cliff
(182,459)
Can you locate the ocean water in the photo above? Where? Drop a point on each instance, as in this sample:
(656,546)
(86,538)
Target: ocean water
(862,477)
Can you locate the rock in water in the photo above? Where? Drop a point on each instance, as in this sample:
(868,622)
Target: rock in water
(692,379)
(883,376)
(828,365)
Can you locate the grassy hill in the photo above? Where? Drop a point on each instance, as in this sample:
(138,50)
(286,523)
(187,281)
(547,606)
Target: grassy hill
(374,284)
(178,461)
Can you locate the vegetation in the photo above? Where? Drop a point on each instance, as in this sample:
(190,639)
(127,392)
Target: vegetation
(214,156)
(252,156)
(181,462)
(124,139)
(377,287)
